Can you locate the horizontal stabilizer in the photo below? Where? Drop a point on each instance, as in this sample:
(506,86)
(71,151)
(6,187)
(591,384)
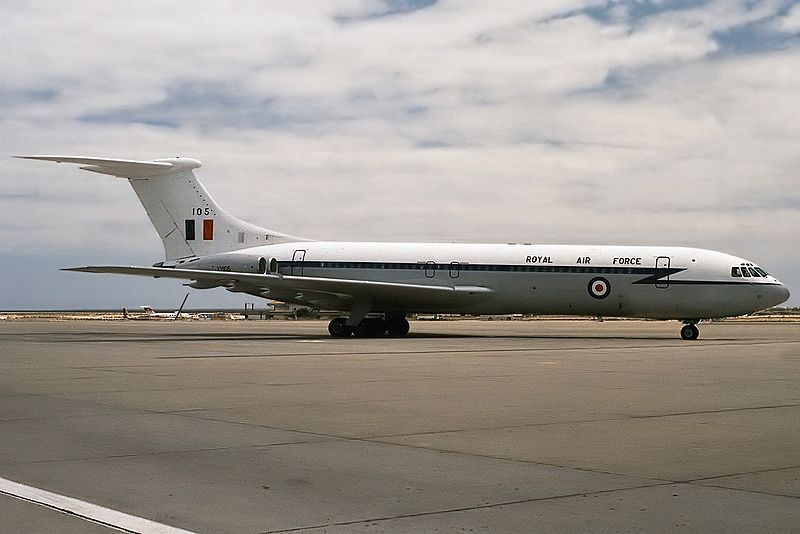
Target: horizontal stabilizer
(125,168)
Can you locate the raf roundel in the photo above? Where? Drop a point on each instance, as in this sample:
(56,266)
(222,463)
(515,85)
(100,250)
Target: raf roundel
(599,288)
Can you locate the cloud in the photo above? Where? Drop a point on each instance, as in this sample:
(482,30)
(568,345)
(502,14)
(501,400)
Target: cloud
(790,21)
(557,121)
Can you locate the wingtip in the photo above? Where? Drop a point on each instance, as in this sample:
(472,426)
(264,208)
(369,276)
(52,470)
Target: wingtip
(40,157)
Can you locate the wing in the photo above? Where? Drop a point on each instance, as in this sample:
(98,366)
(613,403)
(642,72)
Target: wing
(331,293)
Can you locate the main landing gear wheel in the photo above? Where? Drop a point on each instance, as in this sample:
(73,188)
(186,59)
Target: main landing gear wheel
(373,327)
(690,332)
(398,327)
(395,324)
(338,328)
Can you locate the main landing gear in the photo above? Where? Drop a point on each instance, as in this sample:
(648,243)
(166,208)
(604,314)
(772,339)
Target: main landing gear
(394,324)
(690,332)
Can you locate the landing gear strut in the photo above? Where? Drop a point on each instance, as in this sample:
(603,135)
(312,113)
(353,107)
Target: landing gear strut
(690,332)
(395,324)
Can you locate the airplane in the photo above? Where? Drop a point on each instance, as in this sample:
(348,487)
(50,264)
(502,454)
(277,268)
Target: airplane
(375,285)
(150,313)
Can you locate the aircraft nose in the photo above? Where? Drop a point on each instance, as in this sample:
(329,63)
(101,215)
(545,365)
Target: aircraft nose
(778,294)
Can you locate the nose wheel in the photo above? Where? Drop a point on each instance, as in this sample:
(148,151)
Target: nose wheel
(690,332)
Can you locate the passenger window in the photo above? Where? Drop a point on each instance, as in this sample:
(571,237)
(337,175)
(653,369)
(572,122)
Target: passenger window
(735,272)
(745,273)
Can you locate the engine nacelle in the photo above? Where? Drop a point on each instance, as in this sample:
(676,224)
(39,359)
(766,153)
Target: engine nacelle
(235,262)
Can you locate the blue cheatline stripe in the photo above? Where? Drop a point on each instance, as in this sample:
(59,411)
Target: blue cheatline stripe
(189,229)
(652,275)
(652,272)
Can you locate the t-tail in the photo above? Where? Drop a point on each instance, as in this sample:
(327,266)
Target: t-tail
(188,221)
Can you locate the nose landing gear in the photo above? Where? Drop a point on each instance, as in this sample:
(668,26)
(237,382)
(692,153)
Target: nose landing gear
(689,332)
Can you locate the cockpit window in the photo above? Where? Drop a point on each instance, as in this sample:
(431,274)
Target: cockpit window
(745,272)
(762,272)
(753,272)
(735,272)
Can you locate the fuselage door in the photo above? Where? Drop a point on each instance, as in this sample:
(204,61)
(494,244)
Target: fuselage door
(662,262)
(297,262)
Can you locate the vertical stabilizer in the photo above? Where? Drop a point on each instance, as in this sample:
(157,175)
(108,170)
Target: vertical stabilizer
(188,221)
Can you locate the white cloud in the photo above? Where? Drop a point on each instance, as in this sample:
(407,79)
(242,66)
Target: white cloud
(791,21)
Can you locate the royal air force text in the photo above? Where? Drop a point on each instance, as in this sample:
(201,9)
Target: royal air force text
(584,260)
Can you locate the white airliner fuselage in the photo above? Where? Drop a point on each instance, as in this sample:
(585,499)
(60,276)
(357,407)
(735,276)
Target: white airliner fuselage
(205,244)
(647,282)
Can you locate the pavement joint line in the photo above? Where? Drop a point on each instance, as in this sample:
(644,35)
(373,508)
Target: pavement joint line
(255,446)
(187,414)
(84,510)
(585,421)
(470,508)
(108,367)
(382,441)
(743,490)
(182,413)
(753,472)
(137,390)
(379,441)
(471,351)
(334,437)
(517,460)
(63,417)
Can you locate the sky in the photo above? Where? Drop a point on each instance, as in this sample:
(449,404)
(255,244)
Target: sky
(641,122)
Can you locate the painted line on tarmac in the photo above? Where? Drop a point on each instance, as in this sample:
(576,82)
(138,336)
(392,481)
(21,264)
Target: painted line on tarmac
(84,510)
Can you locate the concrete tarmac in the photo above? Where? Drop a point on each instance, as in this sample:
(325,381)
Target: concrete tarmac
(467,426)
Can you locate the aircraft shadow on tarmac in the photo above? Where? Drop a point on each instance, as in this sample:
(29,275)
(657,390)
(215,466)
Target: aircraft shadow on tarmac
(115,337)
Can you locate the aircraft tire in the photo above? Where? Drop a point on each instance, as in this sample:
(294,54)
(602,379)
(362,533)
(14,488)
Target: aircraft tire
(376,327)
(373,327)
(338,327)
(398,328)
(690,332)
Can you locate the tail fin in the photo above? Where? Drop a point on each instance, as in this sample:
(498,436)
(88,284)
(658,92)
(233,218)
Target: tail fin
(188,221)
